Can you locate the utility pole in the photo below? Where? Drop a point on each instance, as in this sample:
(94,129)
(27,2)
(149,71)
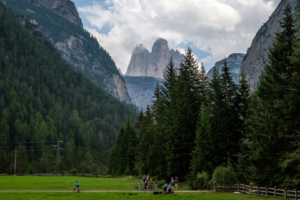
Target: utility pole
(15,160)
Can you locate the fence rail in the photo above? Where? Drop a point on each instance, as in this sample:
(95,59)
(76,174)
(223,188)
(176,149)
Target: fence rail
(261,191)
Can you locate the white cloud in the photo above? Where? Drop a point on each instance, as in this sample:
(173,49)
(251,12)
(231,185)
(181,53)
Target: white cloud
(220,27)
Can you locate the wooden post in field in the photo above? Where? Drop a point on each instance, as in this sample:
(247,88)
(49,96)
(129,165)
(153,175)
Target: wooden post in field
(296,194)
(250,189)
(267,190)
(244,188)
(284,194)
(275,191)
(258,191)
(239,187)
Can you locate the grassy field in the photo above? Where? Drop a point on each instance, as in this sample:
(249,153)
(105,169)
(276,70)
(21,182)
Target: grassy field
(56,188)
(133,196)
(65,183)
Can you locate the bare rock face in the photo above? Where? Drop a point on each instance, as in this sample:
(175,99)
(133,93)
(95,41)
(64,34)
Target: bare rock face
(64,8)
(144,63)
(141,89)
(139,61)
(257,55)
(234,64)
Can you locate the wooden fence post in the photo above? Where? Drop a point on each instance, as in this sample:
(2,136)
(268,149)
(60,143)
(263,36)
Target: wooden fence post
(284,194)
(258,190)
(244,188)
(239,187)
(275,192)
(250,189)
(267,191)
(296,194)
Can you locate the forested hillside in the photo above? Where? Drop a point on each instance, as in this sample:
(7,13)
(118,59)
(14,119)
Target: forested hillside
(201,129)
(43,100)
(77,46)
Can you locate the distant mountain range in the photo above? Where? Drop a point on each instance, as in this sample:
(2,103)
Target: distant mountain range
(141,77)
(234,63)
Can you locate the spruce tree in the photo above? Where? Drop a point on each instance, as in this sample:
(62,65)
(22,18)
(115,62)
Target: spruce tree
(163,109)
(181,129)
(216,112)
(242,103)
(271,127)
(131,142)
(145,140)
(202,155)
(230,133)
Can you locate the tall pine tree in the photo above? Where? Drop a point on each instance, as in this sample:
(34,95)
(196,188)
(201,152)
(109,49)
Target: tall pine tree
(181,129)
(271,127)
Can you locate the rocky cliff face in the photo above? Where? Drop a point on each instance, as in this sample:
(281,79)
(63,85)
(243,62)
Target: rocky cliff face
(234,63)
(144,63)
(257,55)
(64,8)
(77,46)
(141,89)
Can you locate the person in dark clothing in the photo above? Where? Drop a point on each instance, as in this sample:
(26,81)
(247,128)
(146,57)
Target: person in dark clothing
(144,178)
(165,188)
(176,182)
(172,183)
(170,190)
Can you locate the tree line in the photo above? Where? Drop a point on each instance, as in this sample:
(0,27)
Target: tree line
(43,101)
(197,123)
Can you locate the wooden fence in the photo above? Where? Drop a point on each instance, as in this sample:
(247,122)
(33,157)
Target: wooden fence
(261,191)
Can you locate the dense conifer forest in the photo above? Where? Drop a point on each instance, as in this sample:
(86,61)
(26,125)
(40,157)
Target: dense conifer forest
(56,119)
(198,125)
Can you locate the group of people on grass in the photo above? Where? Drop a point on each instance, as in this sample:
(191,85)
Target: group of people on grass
(167,189)
(173,182)
(147,182)
(171,185)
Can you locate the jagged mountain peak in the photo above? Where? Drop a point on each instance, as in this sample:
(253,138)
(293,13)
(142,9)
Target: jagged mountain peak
(144,63)
(139,49)
(64,8)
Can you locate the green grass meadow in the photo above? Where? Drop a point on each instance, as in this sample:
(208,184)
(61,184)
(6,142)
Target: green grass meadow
(133,196)
(67,183)
(55,188)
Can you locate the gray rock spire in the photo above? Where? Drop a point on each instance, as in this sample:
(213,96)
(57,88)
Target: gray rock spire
(144,63)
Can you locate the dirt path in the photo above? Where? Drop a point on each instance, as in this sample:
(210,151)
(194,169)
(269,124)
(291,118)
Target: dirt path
(91,191)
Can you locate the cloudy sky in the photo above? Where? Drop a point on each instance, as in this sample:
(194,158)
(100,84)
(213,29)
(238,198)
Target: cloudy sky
(212,28)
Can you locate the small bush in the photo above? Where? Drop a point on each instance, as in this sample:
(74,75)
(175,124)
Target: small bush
(73,171)
(224,176)
(201,181)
